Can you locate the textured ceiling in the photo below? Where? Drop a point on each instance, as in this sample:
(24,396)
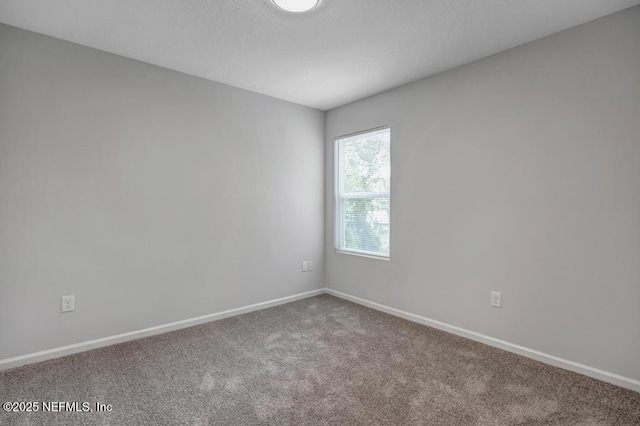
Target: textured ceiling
(342,51)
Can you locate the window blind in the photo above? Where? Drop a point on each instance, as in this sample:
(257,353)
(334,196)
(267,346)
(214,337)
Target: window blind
(363,186)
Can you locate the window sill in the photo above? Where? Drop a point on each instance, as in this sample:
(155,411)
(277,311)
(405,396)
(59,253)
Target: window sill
(362,254)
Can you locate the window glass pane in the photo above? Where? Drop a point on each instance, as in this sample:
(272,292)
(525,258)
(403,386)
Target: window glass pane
(366,163)
(363,165)
(366,224)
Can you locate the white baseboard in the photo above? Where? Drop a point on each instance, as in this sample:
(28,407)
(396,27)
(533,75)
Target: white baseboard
(596,373)
(18,361)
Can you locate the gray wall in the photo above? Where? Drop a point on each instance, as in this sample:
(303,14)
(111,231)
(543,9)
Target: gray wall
(518,173)
(154,196)
(151,195)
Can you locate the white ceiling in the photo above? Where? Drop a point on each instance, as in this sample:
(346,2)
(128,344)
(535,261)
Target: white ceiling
(342,51)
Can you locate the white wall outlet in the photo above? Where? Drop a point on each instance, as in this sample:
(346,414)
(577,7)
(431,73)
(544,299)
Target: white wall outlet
(496,299)
(310,265)
(305,266)
(68,303)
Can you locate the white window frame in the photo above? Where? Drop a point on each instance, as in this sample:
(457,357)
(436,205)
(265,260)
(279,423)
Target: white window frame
(339,196)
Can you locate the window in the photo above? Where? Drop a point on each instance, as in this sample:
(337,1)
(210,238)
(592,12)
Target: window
(363,177)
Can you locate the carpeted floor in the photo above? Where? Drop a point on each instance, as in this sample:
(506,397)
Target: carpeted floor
(316,361)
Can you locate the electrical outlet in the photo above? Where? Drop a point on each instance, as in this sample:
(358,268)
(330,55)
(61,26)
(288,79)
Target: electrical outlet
(68,303)
(496,299)
(310,265)
(305,266)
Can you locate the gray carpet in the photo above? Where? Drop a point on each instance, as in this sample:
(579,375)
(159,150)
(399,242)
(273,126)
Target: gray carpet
(316,361)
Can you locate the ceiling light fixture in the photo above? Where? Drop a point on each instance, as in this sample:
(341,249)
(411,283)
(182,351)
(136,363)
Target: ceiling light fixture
(296,6)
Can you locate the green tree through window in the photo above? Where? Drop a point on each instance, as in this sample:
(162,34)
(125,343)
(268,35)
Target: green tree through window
(363,192)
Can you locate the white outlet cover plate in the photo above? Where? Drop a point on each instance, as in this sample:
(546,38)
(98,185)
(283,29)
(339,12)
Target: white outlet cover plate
(496,299)
(68,303)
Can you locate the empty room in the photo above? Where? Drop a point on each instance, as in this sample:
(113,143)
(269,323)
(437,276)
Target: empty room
(331,212)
